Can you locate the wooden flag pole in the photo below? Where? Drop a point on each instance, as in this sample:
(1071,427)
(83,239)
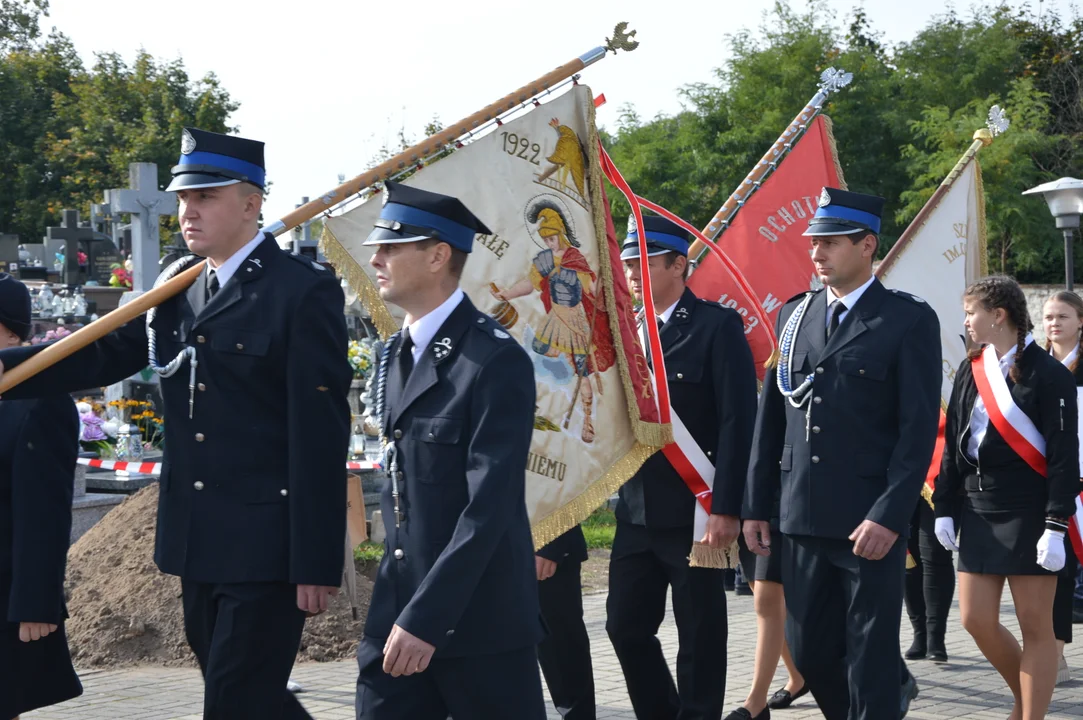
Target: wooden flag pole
(831,80)
(98,329)
(621,40)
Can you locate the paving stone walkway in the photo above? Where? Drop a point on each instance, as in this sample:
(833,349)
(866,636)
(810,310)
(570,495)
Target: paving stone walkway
(966,687)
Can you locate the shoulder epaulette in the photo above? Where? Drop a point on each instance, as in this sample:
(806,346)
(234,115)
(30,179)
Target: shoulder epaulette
(908,296)
(306,261)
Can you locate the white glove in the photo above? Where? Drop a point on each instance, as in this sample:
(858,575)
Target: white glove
(1051,550)
(945,533)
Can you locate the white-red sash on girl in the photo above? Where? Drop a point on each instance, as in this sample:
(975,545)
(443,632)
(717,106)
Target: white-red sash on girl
(1017,429)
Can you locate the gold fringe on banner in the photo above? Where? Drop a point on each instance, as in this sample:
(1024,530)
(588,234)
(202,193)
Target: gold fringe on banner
(983,248)
(705,556)
(911,563)
(572,513)
(829,129)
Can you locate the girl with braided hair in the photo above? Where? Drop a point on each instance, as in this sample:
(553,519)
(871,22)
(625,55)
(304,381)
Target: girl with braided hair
(1062,320)
(1007,481)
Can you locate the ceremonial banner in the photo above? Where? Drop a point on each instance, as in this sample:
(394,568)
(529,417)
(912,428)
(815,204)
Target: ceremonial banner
(936,258)
(551,275)
(764,239)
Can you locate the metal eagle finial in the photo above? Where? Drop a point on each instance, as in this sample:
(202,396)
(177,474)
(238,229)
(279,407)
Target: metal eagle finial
(622,40)
(997,122)
(832,80)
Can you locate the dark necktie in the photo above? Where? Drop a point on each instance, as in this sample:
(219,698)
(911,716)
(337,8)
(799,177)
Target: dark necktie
(837,309)
(405,356)
(212,285)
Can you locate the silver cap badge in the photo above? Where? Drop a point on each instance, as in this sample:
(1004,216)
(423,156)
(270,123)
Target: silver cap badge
(188,143)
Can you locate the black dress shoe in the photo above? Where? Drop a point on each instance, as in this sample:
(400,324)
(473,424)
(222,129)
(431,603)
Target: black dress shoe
(937,652)
(918,648)
(783,698)
(742,713)
(909,692)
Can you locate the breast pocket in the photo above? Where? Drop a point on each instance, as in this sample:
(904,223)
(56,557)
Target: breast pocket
(678,373)
(437,444)
(863,368)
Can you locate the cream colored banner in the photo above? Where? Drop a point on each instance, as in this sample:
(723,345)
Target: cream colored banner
(546,274)
(944,256)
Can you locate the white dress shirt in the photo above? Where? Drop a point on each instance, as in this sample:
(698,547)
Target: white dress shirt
(665,316)
(848,300)
(230,267)
(424,329)
(979,417)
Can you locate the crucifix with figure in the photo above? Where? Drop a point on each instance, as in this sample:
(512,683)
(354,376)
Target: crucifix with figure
(145,203)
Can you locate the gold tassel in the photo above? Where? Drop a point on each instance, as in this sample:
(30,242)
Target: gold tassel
(911,563)
(705,556)
(829,128)
(772,362)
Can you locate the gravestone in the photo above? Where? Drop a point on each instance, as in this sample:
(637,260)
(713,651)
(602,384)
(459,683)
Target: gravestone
(70,234)
(102,255)
(88,508)
(9,254)
(145,203)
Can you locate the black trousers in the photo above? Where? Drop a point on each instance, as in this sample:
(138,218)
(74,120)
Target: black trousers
(564,654)
(481,687)
(1063,599)
(842,624)
(245,637)
(930,586)
(643,565)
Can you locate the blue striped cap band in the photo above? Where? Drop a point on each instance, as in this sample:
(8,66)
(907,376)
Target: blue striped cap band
(458,236)
(207,160)
(673,242)
(840,214)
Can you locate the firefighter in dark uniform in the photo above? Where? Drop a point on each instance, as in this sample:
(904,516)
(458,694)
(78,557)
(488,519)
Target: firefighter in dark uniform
(39,441)
(252,504)
(453,625)
(564,654)
(846,427)
(712,386)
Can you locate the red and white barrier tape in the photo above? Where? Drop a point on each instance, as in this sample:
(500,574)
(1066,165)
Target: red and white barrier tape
(155,468)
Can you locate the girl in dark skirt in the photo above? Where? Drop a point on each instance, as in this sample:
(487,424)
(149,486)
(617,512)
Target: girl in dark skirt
(1007,482)
(1062,320)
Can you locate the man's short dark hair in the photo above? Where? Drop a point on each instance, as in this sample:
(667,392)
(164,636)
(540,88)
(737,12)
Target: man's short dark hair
(858,237)
(671,257)
(456,263)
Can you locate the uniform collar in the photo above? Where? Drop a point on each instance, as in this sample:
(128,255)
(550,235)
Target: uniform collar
(1006,358)
(850,299)
(424,329)
(229,268)
(1071,357)
(668,312)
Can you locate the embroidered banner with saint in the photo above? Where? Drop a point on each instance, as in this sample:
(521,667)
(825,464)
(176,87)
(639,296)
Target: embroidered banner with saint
(550,273)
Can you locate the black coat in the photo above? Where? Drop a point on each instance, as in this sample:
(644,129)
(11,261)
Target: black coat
(253,487)
(874,414)
(459,571)
(571,546)
(1046,393)
(712,387)
(38,447)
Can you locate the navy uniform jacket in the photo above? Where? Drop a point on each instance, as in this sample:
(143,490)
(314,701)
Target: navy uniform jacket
(38,446)
(872,428)
(459,571)
(253,488)
(712,387)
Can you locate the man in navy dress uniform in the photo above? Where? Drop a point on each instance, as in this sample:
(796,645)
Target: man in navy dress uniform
(252,496)
(712,386)
(564,654)
(846,427)
(453,624)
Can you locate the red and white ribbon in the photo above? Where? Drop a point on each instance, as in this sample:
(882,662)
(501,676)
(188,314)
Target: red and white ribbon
(155,468)
(1017,429)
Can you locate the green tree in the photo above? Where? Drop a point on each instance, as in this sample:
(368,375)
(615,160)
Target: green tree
(19,22)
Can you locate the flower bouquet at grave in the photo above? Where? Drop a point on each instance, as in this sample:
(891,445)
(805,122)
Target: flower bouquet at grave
(359,353)
(141,415)
(50,336)
(96,434)
(120,277)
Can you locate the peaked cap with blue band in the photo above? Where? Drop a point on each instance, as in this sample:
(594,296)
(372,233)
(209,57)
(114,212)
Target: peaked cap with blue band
(212,160)
(662,236)
(411,214)
(841,212)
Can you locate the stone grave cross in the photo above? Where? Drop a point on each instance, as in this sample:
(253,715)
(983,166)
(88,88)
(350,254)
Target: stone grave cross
(146,203)
(70,234)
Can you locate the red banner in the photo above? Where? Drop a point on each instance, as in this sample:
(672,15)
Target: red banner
(765,240)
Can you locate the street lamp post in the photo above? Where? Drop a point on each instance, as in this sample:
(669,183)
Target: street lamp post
(1065,200)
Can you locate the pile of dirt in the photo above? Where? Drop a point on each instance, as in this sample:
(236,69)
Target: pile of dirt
(123,611)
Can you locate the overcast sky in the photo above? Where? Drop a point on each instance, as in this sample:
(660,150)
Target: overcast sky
(325,84)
